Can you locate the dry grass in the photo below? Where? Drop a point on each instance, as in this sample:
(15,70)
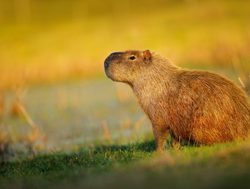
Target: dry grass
(2,104)
(11,143)
(106,132)
(21,75)
(41,49)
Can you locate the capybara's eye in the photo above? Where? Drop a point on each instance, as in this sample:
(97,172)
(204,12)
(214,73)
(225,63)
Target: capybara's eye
(132,57)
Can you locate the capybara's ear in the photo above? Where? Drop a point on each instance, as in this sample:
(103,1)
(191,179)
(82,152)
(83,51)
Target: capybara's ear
(147,56)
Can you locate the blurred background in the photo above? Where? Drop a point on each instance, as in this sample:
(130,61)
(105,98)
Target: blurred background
(53,92)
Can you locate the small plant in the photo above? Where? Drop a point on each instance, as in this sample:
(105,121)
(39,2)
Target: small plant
(12,145)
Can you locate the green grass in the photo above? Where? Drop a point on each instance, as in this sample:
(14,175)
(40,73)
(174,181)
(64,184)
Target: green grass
(61,167)
(133,166)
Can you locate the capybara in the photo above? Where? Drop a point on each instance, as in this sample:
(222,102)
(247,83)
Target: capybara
(195,106)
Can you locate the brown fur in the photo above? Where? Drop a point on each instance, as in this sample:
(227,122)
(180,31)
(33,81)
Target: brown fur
(197,106)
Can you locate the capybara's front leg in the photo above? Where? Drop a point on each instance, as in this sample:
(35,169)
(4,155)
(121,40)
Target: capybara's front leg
(160,133)
(176,144)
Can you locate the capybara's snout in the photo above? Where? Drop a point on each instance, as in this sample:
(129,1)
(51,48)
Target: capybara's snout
(111,58)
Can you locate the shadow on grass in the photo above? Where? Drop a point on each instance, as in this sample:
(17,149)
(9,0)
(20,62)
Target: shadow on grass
(61,165)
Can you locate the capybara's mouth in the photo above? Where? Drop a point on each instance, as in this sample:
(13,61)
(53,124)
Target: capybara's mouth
(107,70)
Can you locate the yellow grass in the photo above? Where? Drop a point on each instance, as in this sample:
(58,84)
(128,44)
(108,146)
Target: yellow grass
(40,45)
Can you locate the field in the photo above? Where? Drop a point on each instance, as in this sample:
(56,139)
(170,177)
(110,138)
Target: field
(63,124)
(133,166)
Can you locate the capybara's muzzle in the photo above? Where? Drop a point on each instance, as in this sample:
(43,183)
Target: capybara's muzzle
(111,58)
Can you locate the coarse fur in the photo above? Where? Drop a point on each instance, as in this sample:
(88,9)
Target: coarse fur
(195,106)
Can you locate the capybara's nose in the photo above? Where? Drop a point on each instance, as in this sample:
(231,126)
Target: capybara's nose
(110,58)
(106,64)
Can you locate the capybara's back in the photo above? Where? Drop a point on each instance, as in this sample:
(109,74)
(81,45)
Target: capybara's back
(196,106)
(209,109)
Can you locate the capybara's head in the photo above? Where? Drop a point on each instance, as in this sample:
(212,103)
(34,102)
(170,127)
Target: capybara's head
(127,66)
